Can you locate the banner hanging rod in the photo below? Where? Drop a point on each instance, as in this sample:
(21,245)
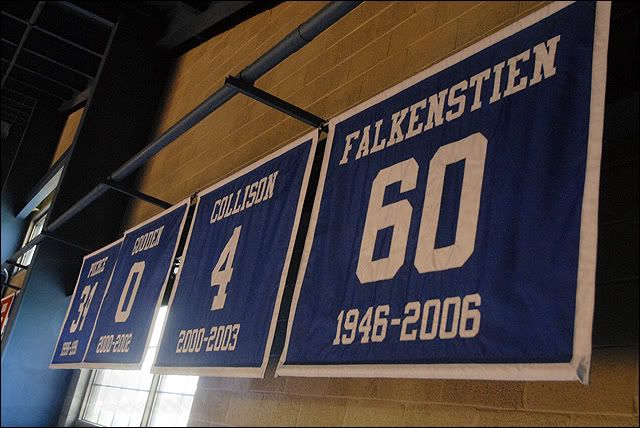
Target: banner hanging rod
(290,44)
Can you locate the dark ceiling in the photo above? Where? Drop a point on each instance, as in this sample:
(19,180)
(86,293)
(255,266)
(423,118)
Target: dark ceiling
(54,49)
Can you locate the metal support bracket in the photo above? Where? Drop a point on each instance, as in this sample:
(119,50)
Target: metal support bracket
(50,235)
(6,284)
(16,264)
(135,194)
(277,103)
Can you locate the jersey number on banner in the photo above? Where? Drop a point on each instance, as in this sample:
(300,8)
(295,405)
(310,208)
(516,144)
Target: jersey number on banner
(221,277)
(85,301)
(122,315)
(473,150)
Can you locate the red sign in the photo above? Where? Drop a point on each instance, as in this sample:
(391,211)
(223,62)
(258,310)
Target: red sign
(6,307)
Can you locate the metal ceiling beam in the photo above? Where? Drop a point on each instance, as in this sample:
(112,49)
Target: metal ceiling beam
(15,18)
(35,88)
(30,25)
(17,117)
(9,116)
(67,41)
(43,76)
(15,110)
(51,60)
(68,6)
(20,94)
(58,63)
(7,113)
(13,123)
(17,99)
(293,42)
(13,118)
(14,44)
(12,102)
(180,32)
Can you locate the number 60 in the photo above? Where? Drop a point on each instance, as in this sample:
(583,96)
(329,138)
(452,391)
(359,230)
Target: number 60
(473,150)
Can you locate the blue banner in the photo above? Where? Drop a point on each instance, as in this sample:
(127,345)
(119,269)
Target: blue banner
(225,302)
(83,309)
(134,294)
(454,229)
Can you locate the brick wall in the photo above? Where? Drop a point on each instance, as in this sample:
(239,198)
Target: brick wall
(374,47)
(68,133)
(610,400)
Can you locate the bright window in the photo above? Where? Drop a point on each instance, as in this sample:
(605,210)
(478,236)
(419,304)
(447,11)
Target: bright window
(136,398)
(173,401)
(34,230)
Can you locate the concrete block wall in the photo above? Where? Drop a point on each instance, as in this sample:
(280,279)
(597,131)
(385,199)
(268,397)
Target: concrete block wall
(374,47)
(68,133)
(611,399)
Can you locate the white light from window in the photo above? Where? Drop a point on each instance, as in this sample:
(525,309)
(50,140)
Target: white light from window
(35,231)
(119,397)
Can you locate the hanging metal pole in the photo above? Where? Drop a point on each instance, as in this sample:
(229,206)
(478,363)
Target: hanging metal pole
(293,42)
(281,51)
(32,21)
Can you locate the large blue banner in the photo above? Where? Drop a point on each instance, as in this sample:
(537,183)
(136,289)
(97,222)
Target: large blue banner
(83,309)
(454,230)
(134,294)
(224,305)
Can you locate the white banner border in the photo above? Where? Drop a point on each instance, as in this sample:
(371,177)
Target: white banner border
(578,367)
(248,372)
(137,366)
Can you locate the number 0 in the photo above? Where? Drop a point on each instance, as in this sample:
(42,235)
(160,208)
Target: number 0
(122,315)
(473,150)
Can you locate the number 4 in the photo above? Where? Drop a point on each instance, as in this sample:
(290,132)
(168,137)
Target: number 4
(223,277)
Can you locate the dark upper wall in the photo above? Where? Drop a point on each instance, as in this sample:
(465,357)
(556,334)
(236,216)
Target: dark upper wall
(114,125)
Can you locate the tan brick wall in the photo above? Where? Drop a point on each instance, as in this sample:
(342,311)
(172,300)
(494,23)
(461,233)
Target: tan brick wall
(375,46)
(611,399)
(68,133)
